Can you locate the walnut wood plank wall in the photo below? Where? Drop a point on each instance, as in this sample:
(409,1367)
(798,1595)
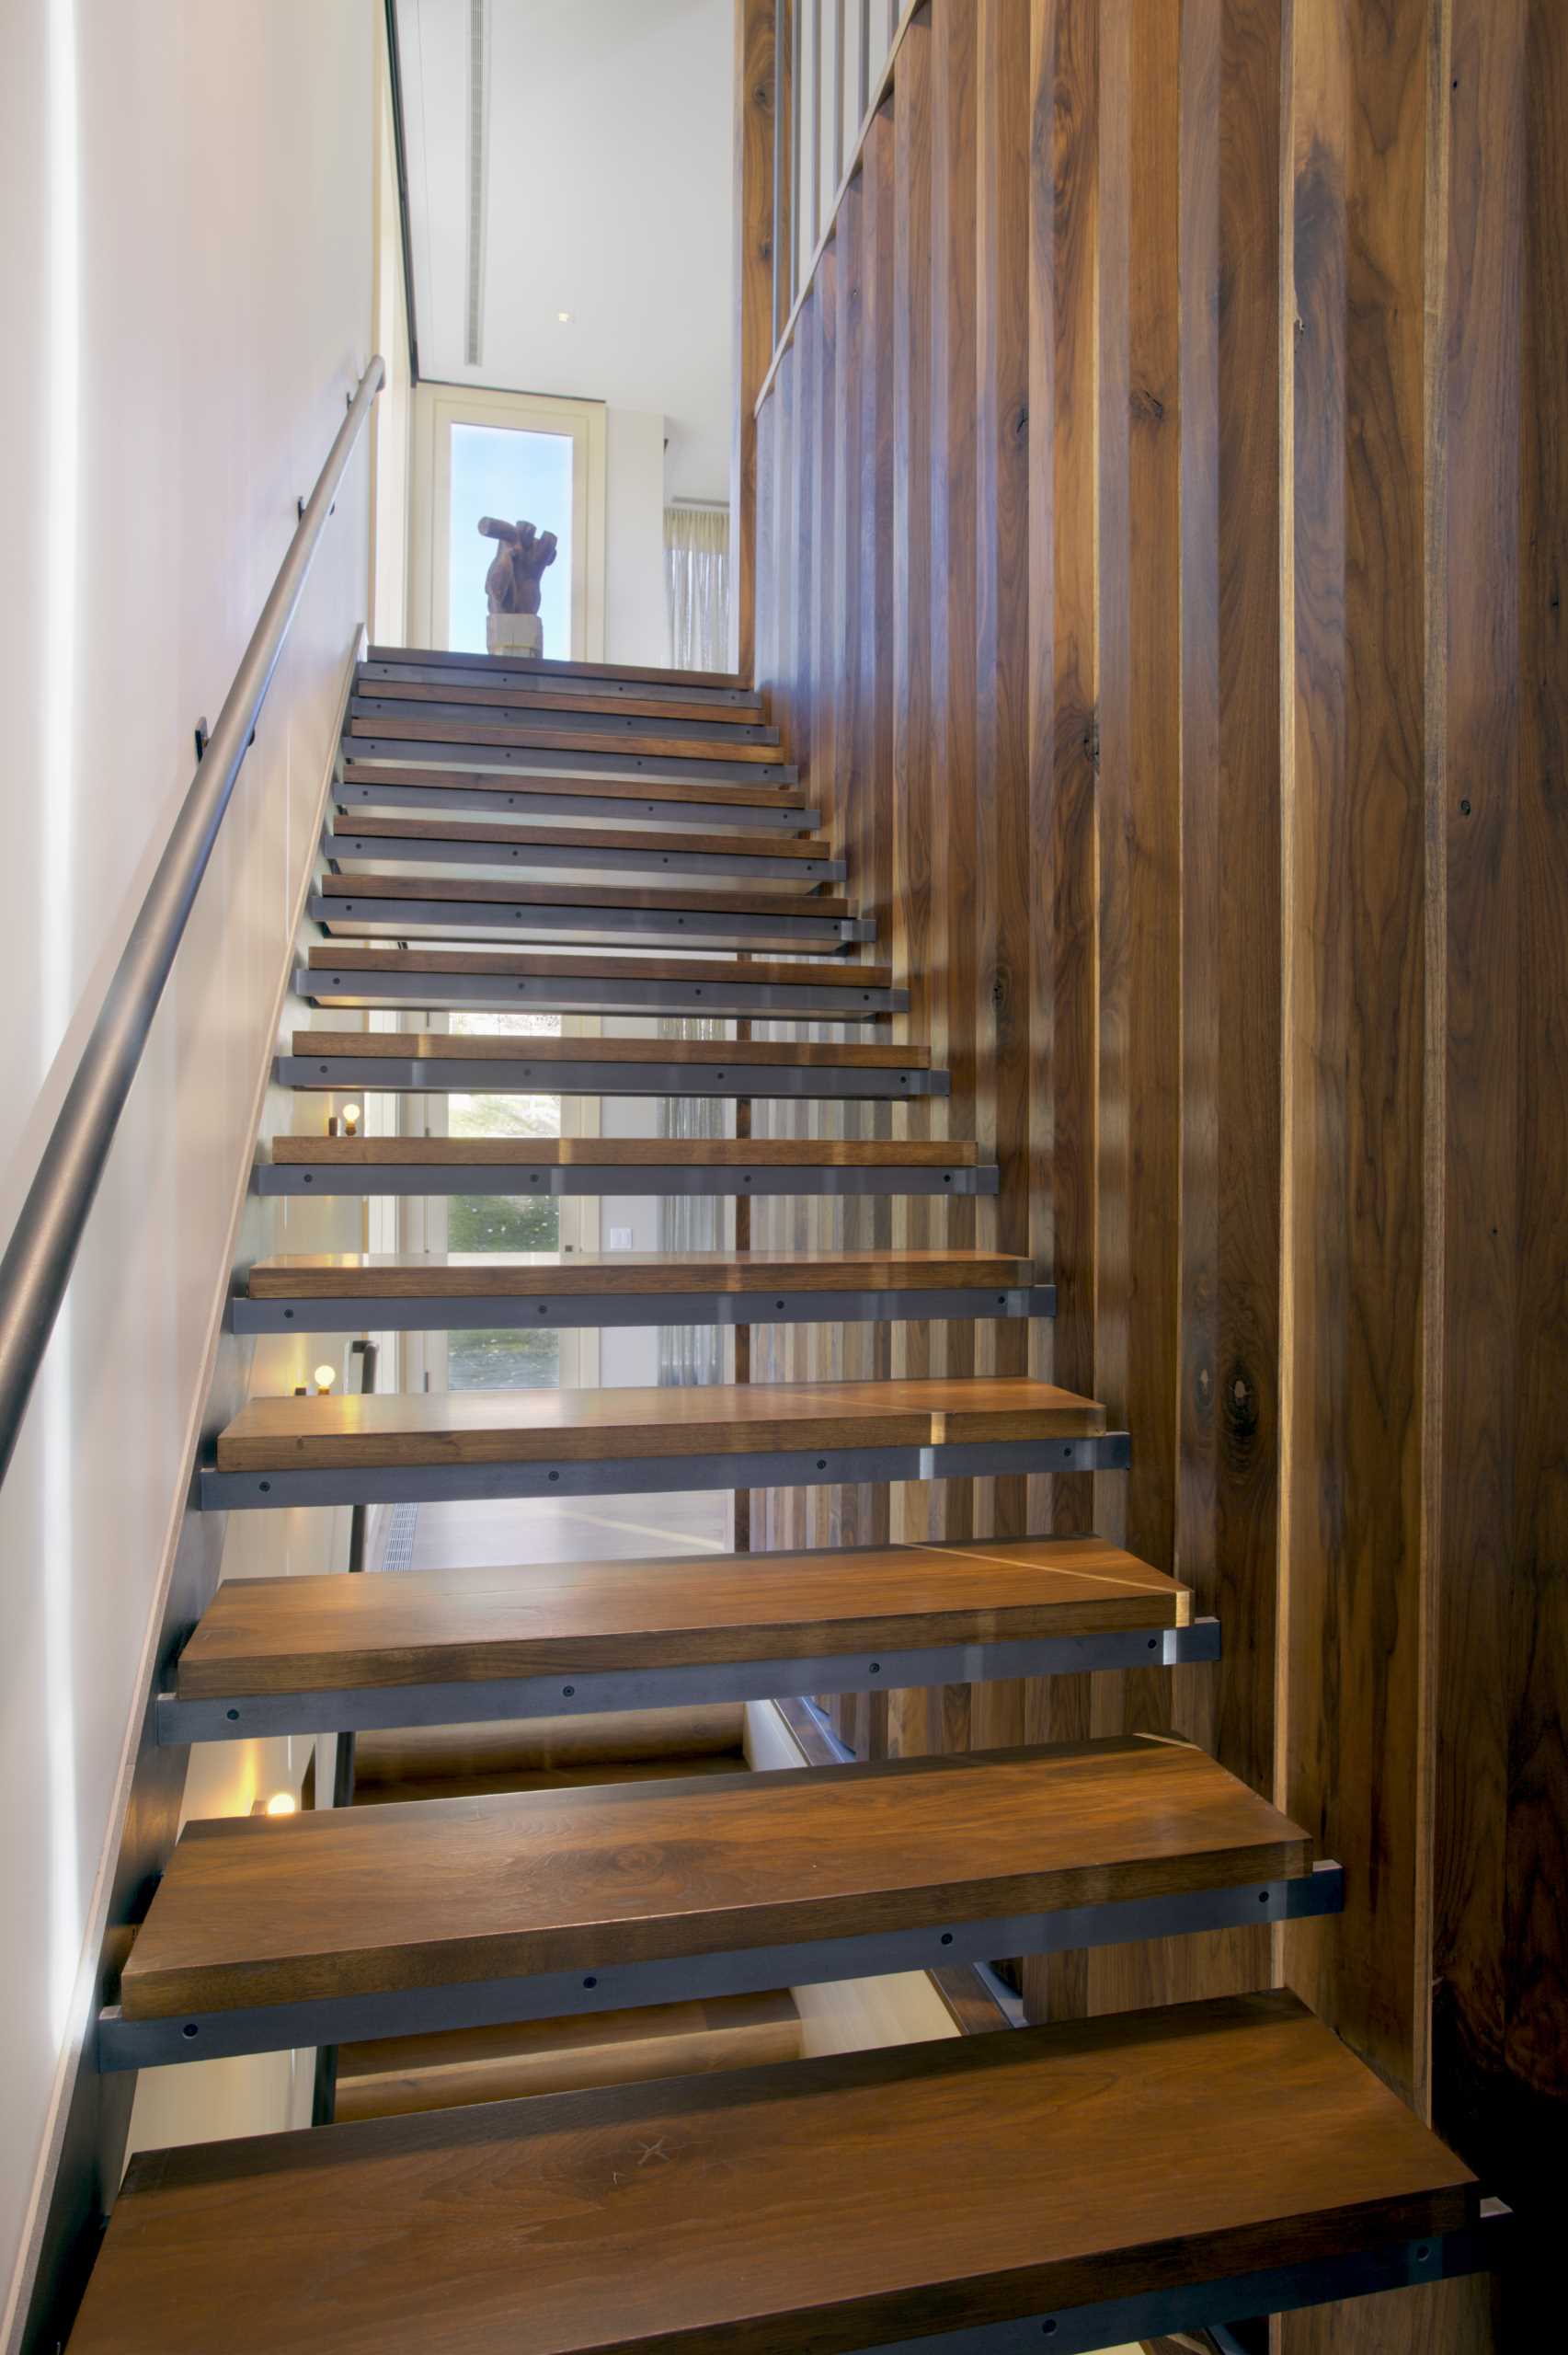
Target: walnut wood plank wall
(1165,488)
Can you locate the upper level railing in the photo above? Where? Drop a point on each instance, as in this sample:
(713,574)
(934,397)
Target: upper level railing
(44,1245)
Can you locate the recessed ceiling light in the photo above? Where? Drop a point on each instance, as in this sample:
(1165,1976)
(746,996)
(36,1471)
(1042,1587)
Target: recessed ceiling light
(564,318)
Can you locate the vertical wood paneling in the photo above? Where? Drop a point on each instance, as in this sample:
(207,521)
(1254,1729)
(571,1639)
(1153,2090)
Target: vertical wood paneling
(1357,1598)
(1064,569)
(1139,826)
(1534,1936)
(1168,489)
(954,884)
(1008,869)
(754,198)
(914,1227)
(1236,1573)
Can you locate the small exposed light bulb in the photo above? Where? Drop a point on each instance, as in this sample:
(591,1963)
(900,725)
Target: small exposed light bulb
(282,1803)
(351,1120)
(325,1376)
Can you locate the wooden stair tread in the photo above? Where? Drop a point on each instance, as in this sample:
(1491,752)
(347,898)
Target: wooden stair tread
(648,743)
(645,841)
(719,792)
(403,1428)
(477,665)
(547,965)
(813,2209)
(704,1153)
(449,1275)
(554,697)
(699,1055)
(704,899)
(399,2074)
(252,1910)
(335,1632)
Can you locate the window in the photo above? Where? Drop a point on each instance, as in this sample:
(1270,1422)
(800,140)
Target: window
(520,457)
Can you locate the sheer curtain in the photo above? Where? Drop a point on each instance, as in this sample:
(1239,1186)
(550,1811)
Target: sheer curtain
(696,574)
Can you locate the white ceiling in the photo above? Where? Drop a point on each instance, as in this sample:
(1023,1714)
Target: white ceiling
(607,193)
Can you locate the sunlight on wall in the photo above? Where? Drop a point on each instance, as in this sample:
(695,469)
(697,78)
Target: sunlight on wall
(63,389)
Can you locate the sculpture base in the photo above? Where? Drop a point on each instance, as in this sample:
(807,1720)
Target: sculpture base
(520,636)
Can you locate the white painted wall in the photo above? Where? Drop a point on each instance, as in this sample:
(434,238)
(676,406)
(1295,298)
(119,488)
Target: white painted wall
(609,194)
(390,426)
(636,618)
(185,277)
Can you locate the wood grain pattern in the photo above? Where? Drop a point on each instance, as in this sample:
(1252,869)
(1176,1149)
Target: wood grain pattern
(523,1426)
(956,904)
(649,744)
(1006,1012)
(964,2182)
(1064,736)
(1360,1275)
(399,2075)
(1495,805)
(253,1910)
(530,963)
(295,1635)
(453,1274)
(560,1153)
(696,1055)
(913,586)
(516,785)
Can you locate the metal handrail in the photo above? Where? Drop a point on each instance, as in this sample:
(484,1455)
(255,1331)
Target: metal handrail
(44,1245)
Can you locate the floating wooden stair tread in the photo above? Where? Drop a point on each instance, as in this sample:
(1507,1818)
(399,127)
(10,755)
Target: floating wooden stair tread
(554,695)
(515,892)
(651,743)
(528,964)
(481,1274)
(403,837)
(324,1634)
(608,1153)
(399,2074)
(480,666)
(600,714)
(403,1429)
(252,1911)
(583,981)
(434,1061)
(813,2209)
(633,795)
(540,1166)
(697,1054)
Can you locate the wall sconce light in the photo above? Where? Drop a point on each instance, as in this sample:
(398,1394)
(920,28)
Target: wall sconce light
(323,1378)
